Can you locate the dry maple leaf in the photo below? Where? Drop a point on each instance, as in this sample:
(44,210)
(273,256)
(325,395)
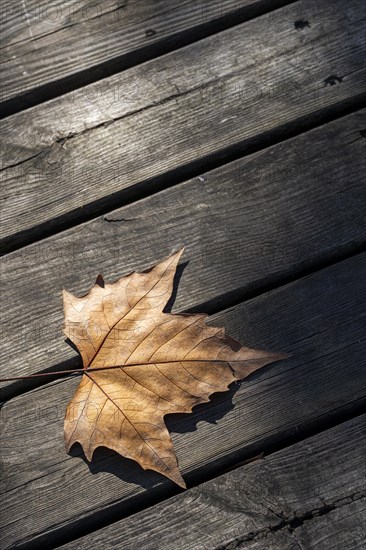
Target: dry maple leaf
(164,363)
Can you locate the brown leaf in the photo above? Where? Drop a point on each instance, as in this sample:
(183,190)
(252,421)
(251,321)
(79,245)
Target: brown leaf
(167,364)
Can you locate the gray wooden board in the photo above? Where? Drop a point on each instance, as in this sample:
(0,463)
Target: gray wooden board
(47,41)
(218,95)
(29,133)
(344,529)
(319,319)
(341,529)
(257,506)
(245,225)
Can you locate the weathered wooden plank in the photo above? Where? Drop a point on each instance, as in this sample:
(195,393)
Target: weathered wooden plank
(28,134)
(273,504)
(45,42)
(320,319)
(245,225)
(345,528)
(341,529)
(215,98)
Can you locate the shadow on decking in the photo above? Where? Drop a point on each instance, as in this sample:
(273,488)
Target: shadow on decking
(106,460)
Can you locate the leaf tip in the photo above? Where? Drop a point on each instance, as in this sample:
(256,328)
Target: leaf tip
(177,254)
(67,297)
(182,484)
(279,356)
(88,454)
(177,478)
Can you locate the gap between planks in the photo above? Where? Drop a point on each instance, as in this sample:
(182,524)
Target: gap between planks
(172,179)
(288,230)
(321,320)
(139,53)
(226,495)
(186,142)
(262,505)
(216,306)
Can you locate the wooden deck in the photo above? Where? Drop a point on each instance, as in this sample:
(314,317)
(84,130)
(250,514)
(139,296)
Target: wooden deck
(235,128)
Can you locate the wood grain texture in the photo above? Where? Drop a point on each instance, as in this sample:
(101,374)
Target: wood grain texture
(272,504)
(45,42)
(29,133)
(341,529)
(213,98)
(246,225)
(320,319)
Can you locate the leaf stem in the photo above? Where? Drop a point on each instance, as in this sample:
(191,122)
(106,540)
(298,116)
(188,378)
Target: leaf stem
(41,374)
(81,371)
